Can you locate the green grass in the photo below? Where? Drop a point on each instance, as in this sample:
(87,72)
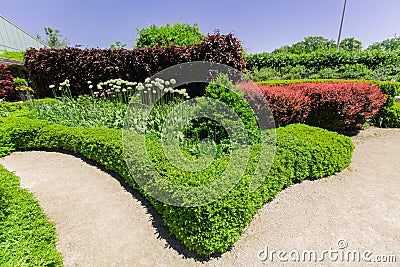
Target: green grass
(12,55)
(27,238)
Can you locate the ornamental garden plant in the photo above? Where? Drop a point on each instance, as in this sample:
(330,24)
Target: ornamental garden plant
(213,228)
(89,92)
(220,222)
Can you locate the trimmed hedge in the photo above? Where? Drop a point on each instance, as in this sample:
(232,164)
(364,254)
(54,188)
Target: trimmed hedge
(332,105)
(27,238)
(287,82)
(52,66)
(389,116)
(303,152)
(287,105)
(340,106)
(387,87)
(322,59)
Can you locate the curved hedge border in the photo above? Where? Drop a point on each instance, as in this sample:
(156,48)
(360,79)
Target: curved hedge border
(27,238)
(303,152)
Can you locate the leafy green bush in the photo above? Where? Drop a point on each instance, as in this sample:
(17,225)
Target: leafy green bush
(324,145)
(287,82)
(27,238)
(390,89)
(308,45)
(7,108)
(264,74)
(293,72)
(326,73)
(378,61)
(3,201)
(388,44)
(302,152)
(347,71)
(222,89)
(165,36)
(354,71)
(20,82)
(389,116)
(315,43)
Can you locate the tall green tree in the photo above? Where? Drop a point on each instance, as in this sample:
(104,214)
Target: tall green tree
(309,44)
(350,44)
(53,38)
(389,44)
(169,35)
(117,45)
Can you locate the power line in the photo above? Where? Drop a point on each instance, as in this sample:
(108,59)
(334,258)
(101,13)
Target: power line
(341,25)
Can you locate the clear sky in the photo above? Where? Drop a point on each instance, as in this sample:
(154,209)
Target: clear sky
(261,25)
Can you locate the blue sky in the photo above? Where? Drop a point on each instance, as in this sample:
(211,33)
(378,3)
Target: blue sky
(261,25)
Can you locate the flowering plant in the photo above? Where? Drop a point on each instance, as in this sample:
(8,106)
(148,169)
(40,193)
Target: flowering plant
(24,88)
(149,91)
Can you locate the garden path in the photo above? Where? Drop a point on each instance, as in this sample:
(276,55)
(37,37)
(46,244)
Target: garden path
(100,222)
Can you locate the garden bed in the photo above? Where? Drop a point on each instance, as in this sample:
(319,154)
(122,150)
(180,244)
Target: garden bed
(303,152)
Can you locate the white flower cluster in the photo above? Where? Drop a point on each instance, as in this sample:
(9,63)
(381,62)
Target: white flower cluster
(114,87)
(117,85)
(90,84)
(159,85)
(64,84)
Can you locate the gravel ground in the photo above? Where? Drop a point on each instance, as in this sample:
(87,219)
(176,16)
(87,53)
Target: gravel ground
(101,222)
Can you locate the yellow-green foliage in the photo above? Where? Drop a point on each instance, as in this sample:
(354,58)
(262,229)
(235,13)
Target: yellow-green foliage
(12,55)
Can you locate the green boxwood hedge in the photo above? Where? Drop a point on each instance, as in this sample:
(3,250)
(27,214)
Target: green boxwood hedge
(322,59)
(27,238)
(389,116)
(302,152)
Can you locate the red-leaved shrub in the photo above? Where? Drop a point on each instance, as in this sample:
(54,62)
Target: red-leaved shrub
(287,105)
(52,66)
(333,106)
(7,88)
(342,105)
